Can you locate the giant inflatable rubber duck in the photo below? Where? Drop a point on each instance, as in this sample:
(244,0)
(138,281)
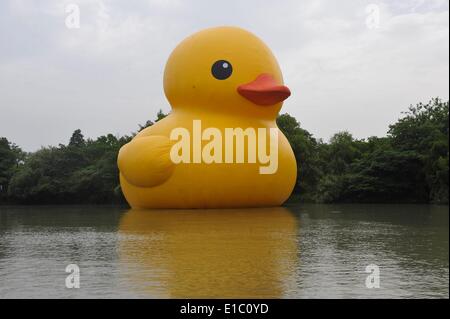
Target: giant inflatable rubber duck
(220,146)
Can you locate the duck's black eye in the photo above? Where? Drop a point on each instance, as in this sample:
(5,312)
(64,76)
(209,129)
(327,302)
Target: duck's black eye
(221,70)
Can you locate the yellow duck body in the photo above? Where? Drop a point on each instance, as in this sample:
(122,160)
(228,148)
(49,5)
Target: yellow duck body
(222,78)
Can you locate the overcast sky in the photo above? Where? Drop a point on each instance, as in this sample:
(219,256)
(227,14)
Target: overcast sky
(347,70)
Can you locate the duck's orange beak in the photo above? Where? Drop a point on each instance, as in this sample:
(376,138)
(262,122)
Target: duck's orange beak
(264,91)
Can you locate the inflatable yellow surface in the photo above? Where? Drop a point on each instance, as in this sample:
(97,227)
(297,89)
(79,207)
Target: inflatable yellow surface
(220,146)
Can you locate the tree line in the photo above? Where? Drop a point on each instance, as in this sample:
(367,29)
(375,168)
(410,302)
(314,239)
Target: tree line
(409,165)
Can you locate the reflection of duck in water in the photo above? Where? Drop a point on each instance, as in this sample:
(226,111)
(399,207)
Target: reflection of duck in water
(214,253)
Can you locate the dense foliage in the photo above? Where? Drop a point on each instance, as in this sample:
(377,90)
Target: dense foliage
(84,171)
(409,165)
(10,159)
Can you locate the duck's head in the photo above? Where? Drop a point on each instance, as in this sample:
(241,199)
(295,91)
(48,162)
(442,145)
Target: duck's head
(225,70)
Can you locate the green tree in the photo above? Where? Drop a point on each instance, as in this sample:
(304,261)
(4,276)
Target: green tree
(341,152)
(10,158)
(160,115)
(77,139)
(385,176)
(425,130)
(305,149)
(337,158)
(410,164)
(82,172)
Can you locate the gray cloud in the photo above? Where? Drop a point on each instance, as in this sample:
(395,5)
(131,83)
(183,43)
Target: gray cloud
(107,75)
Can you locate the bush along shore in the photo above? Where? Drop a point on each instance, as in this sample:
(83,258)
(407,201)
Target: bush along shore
(408,165)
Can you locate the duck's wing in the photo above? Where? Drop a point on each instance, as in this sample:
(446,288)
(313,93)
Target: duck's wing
(145,161)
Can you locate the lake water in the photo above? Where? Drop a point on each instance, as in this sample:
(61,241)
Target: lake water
(306,251)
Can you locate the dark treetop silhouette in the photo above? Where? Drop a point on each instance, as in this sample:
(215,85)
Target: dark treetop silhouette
(409,165)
